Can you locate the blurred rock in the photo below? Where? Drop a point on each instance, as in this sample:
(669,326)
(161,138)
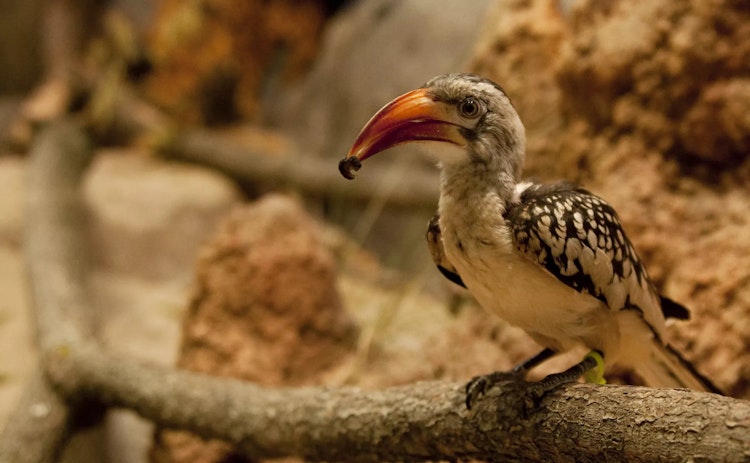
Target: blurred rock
(213,58)
(651,63)
(265,308)
(372,52)
(519,49)
(717,126)
(149,216)
(140,316)
(641,102)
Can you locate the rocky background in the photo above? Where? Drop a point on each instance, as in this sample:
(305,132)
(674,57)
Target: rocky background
(643,102)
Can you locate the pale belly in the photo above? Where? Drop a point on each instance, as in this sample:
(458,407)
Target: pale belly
(525,295)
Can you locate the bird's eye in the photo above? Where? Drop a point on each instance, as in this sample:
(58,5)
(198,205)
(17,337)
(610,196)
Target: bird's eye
(469,107)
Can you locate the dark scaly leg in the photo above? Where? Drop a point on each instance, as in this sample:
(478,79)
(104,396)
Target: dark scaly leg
(592,366)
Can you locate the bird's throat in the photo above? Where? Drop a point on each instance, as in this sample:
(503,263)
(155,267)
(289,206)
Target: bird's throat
(474,185)
(473,200)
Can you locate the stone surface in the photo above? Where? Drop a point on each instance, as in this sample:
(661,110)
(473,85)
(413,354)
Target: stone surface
(148,216)
(372,52)
(214,59)
(641,103)
(17,341)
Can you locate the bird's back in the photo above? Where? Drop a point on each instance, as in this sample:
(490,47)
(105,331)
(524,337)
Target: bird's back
(578,238)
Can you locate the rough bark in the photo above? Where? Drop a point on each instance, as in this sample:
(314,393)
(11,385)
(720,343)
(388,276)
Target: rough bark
(423,421)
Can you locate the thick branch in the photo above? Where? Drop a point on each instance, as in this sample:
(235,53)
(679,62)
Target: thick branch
(424,421)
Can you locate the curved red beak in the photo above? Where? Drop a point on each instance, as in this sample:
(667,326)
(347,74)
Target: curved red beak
(413,116)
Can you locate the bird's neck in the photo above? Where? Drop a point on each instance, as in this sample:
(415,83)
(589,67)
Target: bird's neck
(469,190)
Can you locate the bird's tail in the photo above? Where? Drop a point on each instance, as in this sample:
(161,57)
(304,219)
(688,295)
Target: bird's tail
(665,367)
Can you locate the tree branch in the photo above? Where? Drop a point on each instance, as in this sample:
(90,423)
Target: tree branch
(133,118)
(424,421)
(306,172)
(39,426)
(55,246)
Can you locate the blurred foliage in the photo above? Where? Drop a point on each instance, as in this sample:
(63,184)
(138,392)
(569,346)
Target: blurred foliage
(213,58)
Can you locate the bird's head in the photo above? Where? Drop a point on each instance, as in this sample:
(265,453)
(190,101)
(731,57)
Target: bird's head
(470,118)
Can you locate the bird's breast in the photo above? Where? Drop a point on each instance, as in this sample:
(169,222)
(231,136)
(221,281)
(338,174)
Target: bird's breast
(506,283)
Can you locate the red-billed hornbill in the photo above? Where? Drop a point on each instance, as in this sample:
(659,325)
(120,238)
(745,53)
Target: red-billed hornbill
(552,259)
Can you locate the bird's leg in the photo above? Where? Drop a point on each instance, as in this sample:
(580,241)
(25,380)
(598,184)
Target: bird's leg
(479,385)
(592,366)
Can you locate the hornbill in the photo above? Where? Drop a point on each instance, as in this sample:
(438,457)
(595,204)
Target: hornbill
(552,259)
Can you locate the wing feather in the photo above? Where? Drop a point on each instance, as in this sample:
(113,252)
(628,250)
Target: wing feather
(579,239)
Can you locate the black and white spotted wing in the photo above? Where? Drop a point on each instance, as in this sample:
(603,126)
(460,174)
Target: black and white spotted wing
(578,238)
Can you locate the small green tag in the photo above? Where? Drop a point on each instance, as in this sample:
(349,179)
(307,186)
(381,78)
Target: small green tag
(596,374)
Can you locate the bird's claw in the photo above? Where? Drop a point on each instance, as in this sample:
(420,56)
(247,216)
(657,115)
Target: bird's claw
(479,385)
(533,393)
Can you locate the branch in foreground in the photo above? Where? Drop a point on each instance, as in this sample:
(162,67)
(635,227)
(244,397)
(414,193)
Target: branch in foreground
(424,421)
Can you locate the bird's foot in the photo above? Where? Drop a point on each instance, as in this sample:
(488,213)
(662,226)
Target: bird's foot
(479,385)
(591,368)
(535,392)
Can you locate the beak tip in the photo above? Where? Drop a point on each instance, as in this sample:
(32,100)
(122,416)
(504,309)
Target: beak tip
(348,166)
